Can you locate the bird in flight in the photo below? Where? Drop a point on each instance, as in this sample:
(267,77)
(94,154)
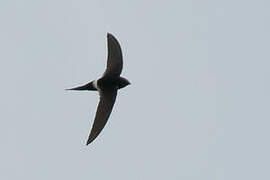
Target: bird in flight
(107,86)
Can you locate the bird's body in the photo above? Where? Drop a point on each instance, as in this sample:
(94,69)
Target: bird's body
(107,86)
(118,82)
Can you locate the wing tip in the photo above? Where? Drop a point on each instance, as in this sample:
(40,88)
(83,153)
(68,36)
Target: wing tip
(88,142)
(90,139)
(110,36)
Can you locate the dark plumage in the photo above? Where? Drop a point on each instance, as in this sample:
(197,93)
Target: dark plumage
(107,86)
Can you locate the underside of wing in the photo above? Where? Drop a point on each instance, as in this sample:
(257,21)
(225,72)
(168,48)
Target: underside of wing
(115,59)
(104,109)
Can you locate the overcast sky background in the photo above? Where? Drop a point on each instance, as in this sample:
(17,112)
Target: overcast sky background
(197,108)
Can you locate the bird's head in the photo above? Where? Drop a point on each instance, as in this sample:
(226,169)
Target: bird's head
(124,82)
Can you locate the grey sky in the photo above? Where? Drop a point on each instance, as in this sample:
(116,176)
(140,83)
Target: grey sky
(198,106)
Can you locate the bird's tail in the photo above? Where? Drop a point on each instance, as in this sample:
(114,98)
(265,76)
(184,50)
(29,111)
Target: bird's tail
(89,87)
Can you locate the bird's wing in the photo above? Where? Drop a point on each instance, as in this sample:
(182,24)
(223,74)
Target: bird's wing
(104,109)
(114,59)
